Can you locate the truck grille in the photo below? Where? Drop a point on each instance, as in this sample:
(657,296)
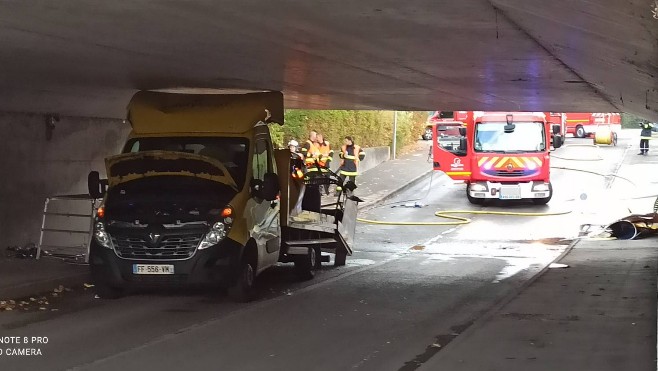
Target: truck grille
(170,247)
(510,173)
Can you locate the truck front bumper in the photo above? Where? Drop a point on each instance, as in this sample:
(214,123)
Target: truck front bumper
(212,266)
(509,190)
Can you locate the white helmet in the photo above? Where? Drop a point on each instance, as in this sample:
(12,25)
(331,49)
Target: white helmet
(293,143)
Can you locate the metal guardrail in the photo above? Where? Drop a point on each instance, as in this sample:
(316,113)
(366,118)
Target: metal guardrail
(67,252)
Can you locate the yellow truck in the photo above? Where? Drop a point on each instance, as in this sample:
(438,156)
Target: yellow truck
(200,196)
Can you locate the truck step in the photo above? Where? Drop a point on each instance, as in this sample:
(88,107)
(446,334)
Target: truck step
(316,241)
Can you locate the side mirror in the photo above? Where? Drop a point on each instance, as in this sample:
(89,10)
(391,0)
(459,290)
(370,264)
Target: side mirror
(96,186)
(462,131)
(509,128)
(558,141)
(556,128)
(463,144)
(270,187)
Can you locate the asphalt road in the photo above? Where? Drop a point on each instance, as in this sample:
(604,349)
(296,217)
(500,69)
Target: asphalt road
(405,294)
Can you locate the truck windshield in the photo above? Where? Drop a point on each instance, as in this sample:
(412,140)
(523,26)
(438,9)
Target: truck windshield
(526,137)
(232,152)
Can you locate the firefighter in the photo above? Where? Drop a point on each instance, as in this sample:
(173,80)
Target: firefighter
(310,152)
(326,154)
(645,135)
(350,154)
(292,146)
(310,149)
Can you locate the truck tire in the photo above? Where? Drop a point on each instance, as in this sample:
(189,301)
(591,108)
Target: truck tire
(341,257)
(105,291)
(580,131)
(305,265)
(102,288)
(243,289)
(471,199)
(318,258)
(545,200)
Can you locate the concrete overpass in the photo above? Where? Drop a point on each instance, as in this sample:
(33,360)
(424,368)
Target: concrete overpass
(83,60)
(86,58)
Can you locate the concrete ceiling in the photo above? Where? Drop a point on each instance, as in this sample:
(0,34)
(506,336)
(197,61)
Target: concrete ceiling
(88,57)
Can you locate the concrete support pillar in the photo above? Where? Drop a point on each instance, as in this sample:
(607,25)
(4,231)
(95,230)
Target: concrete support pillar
(33,166)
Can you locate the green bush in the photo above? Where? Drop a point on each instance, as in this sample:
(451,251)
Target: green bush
(631,121)
(368,128)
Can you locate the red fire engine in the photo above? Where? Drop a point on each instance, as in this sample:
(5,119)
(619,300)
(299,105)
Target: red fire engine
(499,155)
(583,124)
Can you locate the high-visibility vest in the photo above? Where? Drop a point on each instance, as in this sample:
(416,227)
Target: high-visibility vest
(326,154)
(350,159)
(310,151)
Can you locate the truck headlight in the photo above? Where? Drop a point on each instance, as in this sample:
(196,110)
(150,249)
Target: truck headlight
(540,187)
(214,236)
(478,187)
(101,236)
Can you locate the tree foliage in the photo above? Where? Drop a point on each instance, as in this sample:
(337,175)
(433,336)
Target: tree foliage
(629,120)
(368,128)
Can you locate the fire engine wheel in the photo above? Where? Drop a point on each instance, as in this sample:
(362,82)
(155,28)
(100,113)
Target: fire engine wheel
(580,132)
(545,200)
(305,265)
(473,200)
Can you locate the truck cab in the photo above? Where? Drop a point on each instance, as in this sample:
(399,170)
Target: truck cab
(499,155)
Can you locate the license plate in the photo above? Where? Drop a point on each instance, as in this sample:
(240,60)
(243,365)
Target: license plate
(510,193)
(153,269)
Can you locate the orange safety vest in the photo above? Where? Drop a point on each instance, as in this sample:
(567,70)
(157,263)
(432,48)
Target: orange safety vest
(326,154)
(310,151)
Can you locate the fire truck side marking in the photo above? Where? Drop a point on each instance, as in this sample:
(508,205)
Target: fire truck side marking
(482,160)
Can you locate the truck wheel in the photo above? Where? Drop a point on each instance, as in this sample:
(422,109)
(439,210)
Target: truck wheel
(318,258)
(305,264)
(244,289)
(544,201)
(340,258)
(105,291)
(471,199)
(580,132)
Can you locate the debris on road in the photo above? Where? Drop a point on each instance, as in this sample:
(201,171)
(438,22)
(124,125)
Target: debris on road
(558,265)
(27,251)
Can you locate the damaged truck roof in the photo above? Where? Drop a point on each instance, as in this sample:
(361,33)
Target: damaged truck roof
(152,112)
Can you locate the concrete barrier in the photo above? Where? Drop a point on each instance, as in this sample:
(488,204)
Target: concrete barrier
(374,157)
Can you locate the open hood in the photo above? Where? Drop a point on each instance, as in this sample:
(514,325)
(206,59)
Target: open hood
(129,166)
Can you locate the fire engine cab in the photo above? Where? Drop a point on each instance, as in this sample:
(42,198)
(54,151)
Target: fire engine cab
(499,155)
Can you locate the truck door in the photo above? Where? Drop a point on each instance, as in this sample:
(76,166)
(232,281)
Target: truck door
(450,149)
(263,215)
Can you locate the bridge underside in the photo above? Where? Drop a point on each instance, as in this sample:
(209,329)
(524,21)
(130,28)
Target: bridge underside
(86,58)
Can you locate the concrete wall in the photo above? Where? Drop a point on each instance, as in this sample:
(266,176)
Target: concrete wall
(374,157)
(33,167)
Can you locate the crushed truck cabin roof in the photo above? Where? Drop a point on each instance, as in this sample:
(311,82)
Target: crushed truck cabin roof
(151,112)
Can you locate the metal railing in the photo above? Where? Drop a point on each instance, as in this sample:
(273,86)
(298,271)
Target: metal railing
(62,250)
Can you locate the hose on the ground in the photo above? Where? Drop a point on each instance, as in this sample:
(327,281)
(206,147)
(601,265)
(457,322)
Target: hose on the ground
(459,220)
